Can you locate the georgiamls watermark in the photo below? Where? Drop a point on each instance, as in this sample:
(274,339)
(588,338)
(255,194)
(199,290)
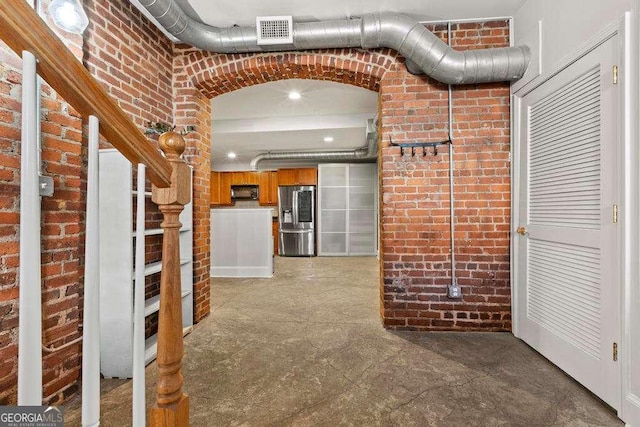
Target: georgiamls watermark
(31,416)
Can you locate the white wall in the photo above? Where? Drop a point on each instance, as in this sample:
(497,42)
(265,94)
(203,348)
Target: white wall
(567,25)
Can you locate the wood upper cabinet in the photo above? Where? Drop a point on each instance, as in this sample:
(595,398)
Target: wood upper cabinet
(308,176)
(299,176)
(287,176)
(214,187)
(267,182)
(268,188)
(237,178)
(220,188)
(244,178)
(225,189)
(273,187)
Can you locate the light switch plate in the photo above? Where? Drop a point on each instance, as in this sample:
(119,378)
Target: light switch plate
(46,185)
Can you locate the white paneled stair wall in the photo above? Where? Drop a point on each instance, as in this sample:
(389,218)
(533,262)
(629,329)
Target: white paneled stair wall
(117,236)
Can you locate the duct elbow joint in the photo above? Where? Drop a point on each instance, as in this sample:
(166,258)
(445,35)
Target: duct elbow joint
(254,162)
(413,68)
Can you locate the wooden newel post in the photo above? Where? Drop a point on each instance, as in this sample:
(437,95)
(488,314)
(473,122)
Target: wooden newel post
(172,405)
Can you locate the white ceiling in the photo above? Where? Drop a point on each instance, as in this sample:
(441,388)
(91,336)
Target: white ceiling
(224,13)
(262,118)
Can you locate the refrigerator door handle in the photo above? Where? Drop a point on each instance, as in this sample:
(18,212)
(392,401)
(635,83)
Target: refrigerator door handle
(296,231)
(295,206)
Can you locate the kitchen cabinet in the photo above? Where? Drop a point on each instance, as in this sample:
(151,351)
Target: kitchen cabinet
(243,178)
(214,188)
(237,178)
(299,176)
(225,189)
(268,188)
(241,242)
(267,181)
(252,178)
(274,230)
(220,188)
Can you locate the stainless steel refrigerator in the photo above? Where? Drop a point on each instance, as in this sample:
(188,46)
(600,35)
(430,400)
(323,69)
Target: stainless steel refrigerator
(297,218)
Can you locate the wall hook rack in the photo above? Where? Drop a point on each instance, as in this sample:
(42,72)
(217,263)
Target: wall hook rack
(414,145)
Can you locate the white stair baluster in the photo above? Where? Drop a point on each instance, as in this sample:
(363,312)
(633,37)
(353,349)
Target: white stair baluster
(91,318)
(139,403)
(30,302)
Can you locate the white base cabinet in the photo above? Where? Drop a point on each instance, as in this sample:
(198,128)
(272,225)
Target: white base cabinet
(117,267)
(241,243)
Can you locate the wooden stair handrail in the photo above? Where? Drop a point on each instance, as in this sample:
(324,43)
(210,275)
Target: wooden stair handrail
(22,29)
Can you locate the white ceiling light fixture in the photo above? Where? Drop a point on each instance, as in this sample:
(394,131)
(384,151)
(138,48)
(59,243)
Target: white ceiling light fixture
(294,95)
(69,15)
(231,155)
(328,139)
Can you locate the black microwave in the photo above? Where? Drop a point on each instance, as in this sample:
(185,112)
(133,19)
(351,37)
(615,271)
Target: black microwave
(244,192)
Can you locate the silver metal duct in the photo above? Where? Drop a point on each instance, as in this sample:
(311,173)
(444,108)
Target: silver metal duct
(386,29)
(367,153)
(412,67)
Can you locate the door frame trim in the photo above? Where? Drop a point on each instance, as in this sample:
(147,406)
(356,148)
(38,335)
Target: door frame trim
(630,246)
(627,180)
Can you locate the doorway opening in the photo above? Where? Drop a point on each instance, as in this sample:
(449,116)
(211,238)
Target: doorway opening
(301,150)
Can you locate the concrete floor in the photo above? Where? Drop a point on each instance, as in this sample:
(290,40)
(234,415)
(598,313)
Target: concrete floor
(306,348)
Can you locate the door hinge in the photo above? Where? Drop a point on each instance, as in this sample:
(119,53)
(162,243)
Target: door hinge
(615,214)
(615,74)
(615,351)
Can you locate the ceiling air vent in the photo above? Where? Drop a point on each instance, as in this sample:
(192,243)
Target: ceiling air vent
(274,29)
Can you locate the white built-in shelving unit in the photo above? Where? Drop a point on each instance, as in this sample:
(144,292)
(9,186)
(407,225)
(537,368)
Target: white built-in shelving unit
(117,273)
(347,206)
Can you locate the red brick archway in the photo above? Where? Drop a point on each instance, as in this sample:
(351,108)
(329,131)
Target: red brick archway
(200,76)
(414,198)
(219,74)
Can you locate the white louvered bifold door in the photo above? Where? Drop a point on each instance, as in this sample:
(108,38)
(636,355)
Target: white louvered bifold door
(567,284)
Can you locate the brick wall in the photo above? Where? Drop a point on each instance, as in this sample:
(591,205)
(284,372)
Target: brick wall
(133,60)
(198,154)
(9,215)
(415,198)
(62,231)
(414,205)
(192,107)
(63,214)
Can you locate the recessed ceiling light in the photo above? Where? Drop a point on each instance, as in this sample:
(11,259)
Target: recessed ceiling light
(294,95)
(328,139)
(231,155)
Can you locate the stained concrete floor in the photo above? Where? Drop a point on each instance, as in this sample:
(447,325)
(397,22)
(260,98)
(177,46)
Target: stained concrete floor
(306,348)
